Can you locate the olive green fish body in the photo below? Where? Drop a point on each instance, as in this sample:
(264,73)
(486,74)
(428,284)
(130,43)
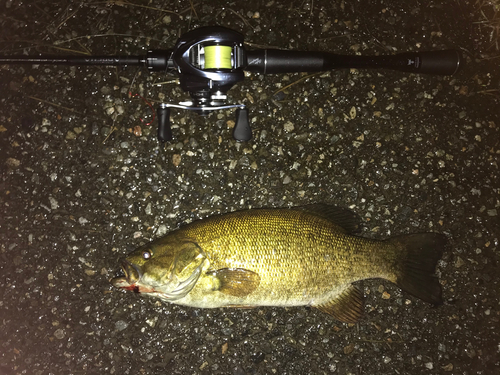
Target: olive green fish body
(276,257)
(300,258)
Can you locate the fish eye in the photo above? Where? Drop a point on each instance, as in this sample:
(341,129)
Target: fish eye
(146,254)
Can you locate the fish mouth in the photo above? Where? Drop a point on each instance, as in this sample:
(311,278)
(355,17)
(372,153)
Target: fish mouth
(132,273)
(130,280)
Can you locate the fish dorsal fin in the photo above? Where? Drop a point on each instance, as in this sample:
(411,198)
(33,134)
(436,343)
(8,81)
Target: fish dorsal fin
(343,217)
(346,307)
(237,282)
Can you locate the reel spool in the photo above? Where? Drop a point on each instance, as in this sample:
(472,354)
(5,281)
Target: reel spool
(216,57)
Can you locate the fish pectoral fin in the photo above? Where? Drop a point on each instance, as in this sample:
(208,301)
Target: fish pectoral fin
(237,282)
(346,307)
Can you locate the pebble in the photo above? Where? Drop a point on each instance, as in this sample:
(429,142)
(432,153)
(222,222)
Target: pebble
(162,230)
(120,325)
(53,203)
(349,349)
(70,135)
(13,163)
(288,126)
(352,113)
(59,334)
(176,160)
(448,367)
(459,262)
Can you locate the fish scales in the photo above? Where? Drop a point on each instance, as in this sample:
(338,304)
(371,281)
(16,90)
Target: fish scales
(279,257)
(299,258)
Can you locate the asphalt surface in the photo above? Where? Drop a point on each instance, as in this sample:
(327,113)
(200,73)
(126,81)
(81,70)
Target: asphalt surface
(84,181)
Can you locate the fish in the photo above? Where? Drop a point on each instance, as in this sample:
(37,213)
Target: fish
(301,256)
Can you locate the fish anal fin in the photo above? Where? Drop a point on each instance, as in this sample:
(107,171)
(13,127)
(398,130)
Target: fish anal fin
(237,282)
(346,307)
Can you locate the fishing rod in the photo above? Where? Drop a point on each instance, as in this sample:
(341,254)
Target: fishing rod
(211,60)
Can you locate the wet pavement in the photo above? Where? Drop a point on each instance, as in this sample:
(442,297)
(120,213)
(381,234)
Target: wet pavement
(84,181)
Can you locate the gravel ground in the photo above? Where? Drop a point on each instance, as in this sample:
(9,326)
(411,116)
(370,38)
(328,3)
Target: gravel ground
(84,181)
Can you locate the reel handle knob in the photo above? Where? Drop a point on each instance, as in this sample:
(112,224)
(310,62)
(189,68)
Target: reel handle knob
(164,129)
(242,131)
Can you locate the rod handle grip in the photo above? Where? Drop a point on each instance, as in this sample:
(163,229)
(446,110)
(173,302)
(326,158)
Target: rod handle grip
(445,62)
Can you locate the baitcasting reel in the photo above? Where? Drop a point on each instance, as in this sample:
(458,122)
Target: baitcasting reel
(211,60)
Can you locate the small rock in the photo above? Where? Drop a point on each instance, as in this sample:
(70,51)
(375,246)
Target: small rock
(203,365)
(59,334)
(162,230)
(289,126)
(70,135)
(120,325)
(53,203)
(349,349)
(448,367)
(352,113)
(13,163)
(459,262)
(176,159)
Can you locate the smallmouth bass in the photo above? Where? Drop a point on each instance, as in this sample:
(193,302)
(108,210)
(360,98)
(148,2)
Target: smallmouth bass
(281,257)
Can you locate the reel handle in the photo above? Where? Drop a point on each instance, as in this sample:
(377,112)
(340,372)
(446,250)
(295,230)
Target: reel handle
(242,131)
(164,129)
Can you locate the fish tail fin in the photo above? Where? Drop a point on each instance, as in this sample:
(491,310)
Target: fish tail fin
(417,259)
